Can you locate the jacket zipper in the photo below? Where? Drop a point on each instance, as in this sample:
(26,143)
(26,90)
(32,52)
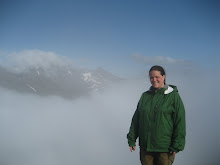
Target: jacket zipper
(155,112)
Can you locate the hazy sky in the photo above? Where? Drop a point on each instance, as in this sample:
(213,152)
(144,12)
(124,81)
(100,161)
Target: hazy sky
(109,33)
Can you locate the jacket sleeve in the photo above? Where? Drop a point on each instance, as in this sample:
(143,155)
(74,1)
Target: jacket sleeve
(179,123)
(133,132)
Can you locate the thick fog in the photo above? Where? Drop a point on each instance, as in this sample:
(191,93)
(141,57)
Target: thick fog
(52,130)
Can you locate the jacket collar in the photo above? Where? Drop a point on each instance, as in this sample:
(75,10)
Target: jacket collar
(166,89)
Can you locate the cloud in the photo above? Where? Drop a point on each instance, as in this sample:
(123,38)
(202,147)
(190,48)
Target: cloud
(158,60)
(46,73)
(52,130)
(36,59)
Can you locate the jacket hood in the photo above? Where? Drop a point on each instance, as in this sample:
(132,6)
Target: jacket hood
(166,89)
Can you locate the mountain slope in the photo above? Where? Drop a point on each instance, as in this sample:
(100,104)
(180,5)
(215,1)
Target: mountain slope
(67,82)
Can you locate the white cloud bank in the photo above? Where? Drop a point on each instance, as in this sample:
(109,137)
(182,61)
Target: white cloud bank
(36,59)
(52,131)
(158,60)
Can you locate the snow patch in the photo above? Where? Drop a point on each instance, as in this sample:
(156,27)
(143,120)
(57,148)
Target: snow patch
(31,87)
(89,78)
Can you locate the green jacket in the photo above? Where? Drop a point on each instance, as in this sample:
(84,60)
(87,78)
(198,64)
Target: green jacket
(159,121)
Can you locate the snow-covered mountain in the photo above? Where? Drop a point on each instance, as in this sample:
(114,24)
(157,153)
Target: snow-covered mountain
(64,81)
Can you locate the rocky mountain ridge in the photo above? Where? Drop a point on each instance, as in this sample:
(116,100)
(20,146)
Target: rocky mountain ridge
(67,82)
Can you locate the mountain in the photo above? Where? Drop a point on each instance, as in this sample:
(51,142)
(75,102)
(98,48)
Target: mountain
(64,81)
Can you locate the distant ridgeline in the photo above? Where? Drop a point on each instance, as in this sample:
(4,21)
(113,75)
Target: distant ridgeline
(67,82)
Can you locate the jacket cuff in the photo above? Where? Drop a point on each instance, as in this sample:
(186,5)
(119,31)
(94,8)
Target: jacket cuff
(173,149)
(131,144)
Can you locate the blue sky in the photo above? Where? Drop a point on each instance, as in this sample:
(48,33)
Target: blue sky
(111,33)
